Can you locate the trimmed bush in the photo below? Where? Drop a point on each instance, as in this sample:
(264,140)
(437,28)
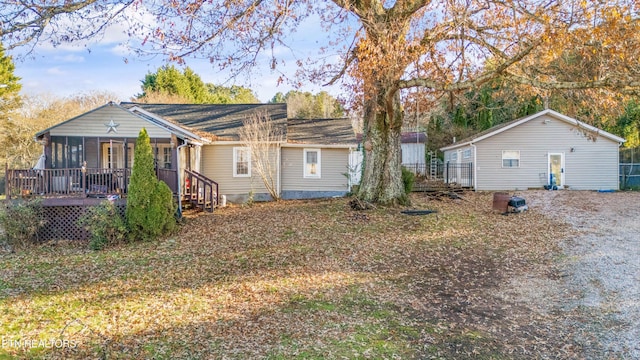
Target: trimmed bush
(150,208)
(408,179)
(105,224)
(162,210)
(21,221)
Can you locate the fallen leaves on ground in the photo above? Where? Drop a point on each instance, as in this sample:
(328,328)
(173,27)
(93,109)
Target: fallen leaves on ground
(294,279)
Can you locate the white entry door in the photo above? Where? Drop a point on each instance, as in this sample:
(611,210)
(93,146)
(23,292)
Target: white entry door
(556,169)
(355,167)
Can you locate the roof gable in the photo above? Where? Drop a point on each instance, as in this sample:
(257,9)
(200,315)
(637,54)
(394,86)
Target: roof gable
(511,124)
(42,132)
(116,121)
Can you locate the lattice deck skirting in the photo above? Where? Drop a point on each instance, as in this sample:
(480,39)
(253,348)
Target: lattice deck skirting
(61,216)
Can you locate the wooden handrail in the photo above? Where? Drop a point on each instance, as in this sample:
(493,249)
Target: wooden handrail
(66,182)
(201,191)
(79,182)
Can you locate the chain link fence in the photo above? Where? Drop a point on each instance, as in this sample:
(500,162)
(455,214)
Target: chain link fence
(630,169)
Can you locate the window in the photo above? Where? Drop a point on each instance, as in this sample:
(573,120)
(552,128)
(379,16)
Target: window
(466,154)
(163,156)
(241,162)
(166,158)
(312,163)
(454,156)
(113,155)
(66,152)
(510,158)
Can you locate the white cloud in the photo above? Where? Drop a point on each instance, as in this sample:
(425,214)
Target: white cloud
(121,50)
(70,58)
(56,71)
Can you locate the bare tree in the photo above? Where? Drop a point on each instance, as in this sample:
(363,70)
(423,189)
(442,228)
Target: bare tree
(263,136)
(38,113)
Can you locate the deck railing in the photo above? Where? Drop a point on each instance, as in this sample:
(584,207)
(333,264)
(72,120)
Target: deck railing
(201,191)
(77,182)
(170,177)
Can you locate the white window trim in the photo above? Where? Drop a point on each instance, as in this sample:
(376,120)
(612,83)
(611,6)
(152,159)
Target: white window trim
(159,156)
(235,161)
(466,154)
(503,159)
(117,163)
(305,174)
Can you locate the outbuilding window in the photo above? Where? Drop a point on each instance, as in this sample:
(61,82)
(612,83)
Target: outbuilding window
(312,163)
(510,158)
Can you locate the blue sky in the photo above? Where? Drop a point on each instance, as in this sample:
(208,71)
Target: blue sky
(64,72)
(107,65)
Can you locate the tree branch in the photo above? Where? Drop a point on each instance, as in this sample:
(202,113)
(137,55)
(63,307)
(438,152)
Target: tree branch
(219,31)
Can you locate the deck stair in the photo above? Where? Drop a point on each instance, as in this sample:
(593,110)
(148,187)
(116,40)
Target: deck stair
(200,191)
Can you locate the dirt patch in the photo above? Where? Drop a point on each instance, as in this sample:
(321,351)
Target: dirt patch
(592,304)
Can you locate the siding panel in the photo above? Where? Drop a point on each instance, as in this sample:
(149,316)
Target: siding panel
(217,164)
(413,153)
(592,166)
(93,124)
(334,164)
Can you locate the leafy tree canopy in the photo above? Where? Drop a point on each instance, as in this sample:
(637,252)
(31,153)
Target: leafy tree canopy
(169,84)
(307,105)
(9,85)
(9,102)
(233,94)
(376,49)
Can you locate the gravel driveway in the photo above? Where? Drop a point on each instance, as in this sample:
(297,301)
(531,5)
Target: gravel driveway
(595,297)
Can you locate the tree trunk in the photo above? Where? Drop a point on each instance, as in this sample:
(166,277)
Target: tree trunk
(382,175)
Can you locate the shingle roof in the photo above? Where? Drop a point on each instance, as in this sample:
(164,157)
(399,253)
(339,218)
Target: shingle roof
(224,121)
(405,137)
(413,137)
(320,131)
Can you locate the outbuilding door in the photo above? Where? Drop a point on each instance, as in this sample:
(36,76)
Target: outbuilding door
(556,169)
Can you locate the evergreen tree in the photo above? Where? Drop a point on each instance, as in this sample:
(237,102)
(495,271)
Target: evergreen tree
(169,84)
(9,86)
(150,208)
(9,102)
(231,95)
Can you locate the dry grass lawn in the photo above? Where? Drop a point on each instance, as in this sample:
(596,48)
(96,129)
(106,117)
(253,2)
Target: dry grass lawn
(290,280)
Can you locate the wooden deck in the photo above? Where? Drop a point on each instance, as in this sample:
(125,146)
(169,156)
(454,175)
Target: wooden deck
(75,182)
(80,183)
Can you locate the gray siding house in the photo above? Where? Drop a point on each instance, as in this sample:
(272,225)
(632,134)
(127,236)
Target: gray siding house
(310,162)
(543,149)
(198,149)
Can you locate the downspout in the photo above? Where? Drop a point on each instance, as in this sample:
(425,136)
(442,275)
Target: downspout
(279,168)
(475,167)
(630,167)
(179,183)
